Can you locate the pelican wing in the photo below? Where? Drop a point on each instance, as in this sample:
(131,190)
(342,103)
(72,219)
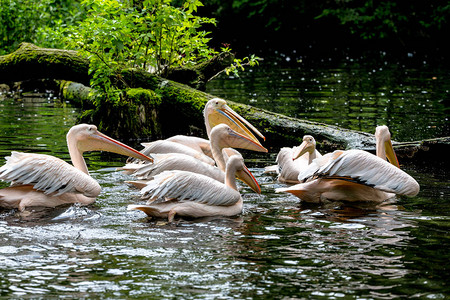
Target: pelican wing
(131,167)
(272,169)
(189,186)
(287,168)
(164,146)
(196,143)
(362,167)
(48,174)
(179,162)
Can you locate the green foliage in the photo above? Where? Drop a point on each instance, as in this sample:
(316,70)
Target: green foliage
(367,19)
(153,35)
(273,15)
(22,20)
(389,19)
(239,63)
(380,18)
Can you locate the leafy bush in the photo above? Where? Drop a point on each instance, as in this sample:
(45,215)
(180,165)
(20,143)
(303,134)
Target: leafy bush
(21,20)
(154,35)
(151,34)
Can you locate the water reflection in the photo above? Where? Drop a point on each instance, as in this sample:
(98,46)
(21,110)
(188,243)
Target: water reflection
(35,125)
(278,248)
(355,93)
(282,249)
(325,249)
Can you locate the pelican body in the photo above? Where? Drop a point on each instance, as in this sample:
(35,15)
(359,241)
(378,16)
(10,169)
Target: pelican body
(355,175)
(195,195)
(222,136)
(216,112)
(44,180)
(291,161)
(165,146)
(197,143)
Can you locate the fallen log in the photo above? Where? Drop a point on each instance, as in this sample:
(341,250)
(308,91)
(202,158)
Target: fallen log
(30,62)
(281,130)
(157,107)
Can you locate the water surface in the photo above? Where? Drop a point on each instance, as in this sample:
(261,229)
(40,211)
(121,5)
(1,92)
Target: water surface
(278,248)
(410,95)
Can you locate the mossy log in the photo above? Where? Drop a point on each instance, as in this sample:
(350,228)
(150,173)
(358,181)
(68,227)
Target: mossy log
(157,107)
(30,62)
(180,116)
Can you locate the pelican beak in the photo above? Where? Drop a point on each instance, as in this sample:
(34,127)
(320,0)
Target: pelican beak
(225,114)
(98,141)
(247,177)
(302,149)
(390,153)
(235,139)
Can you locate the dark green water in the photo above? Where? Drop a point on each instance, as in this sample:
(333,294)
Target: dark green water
(412,97)
(278,248)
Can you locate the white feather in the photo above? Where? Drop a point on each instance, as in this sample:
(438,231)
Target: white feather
(48,174)
(362,167)
(179,162)
(188,186)
(164,146)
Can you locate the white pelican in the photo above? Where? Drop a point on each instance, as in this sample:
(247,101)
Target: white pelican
(194,195)
(216,112)
(44,180)
(355,175)
(222,137)
(291,161)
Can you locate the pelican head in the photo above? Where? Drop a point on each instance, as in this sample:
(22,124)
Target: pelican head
(308,145)
(241,175)
(236,162)
(85,137)
(384,147)
(217,111)
(224,136)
